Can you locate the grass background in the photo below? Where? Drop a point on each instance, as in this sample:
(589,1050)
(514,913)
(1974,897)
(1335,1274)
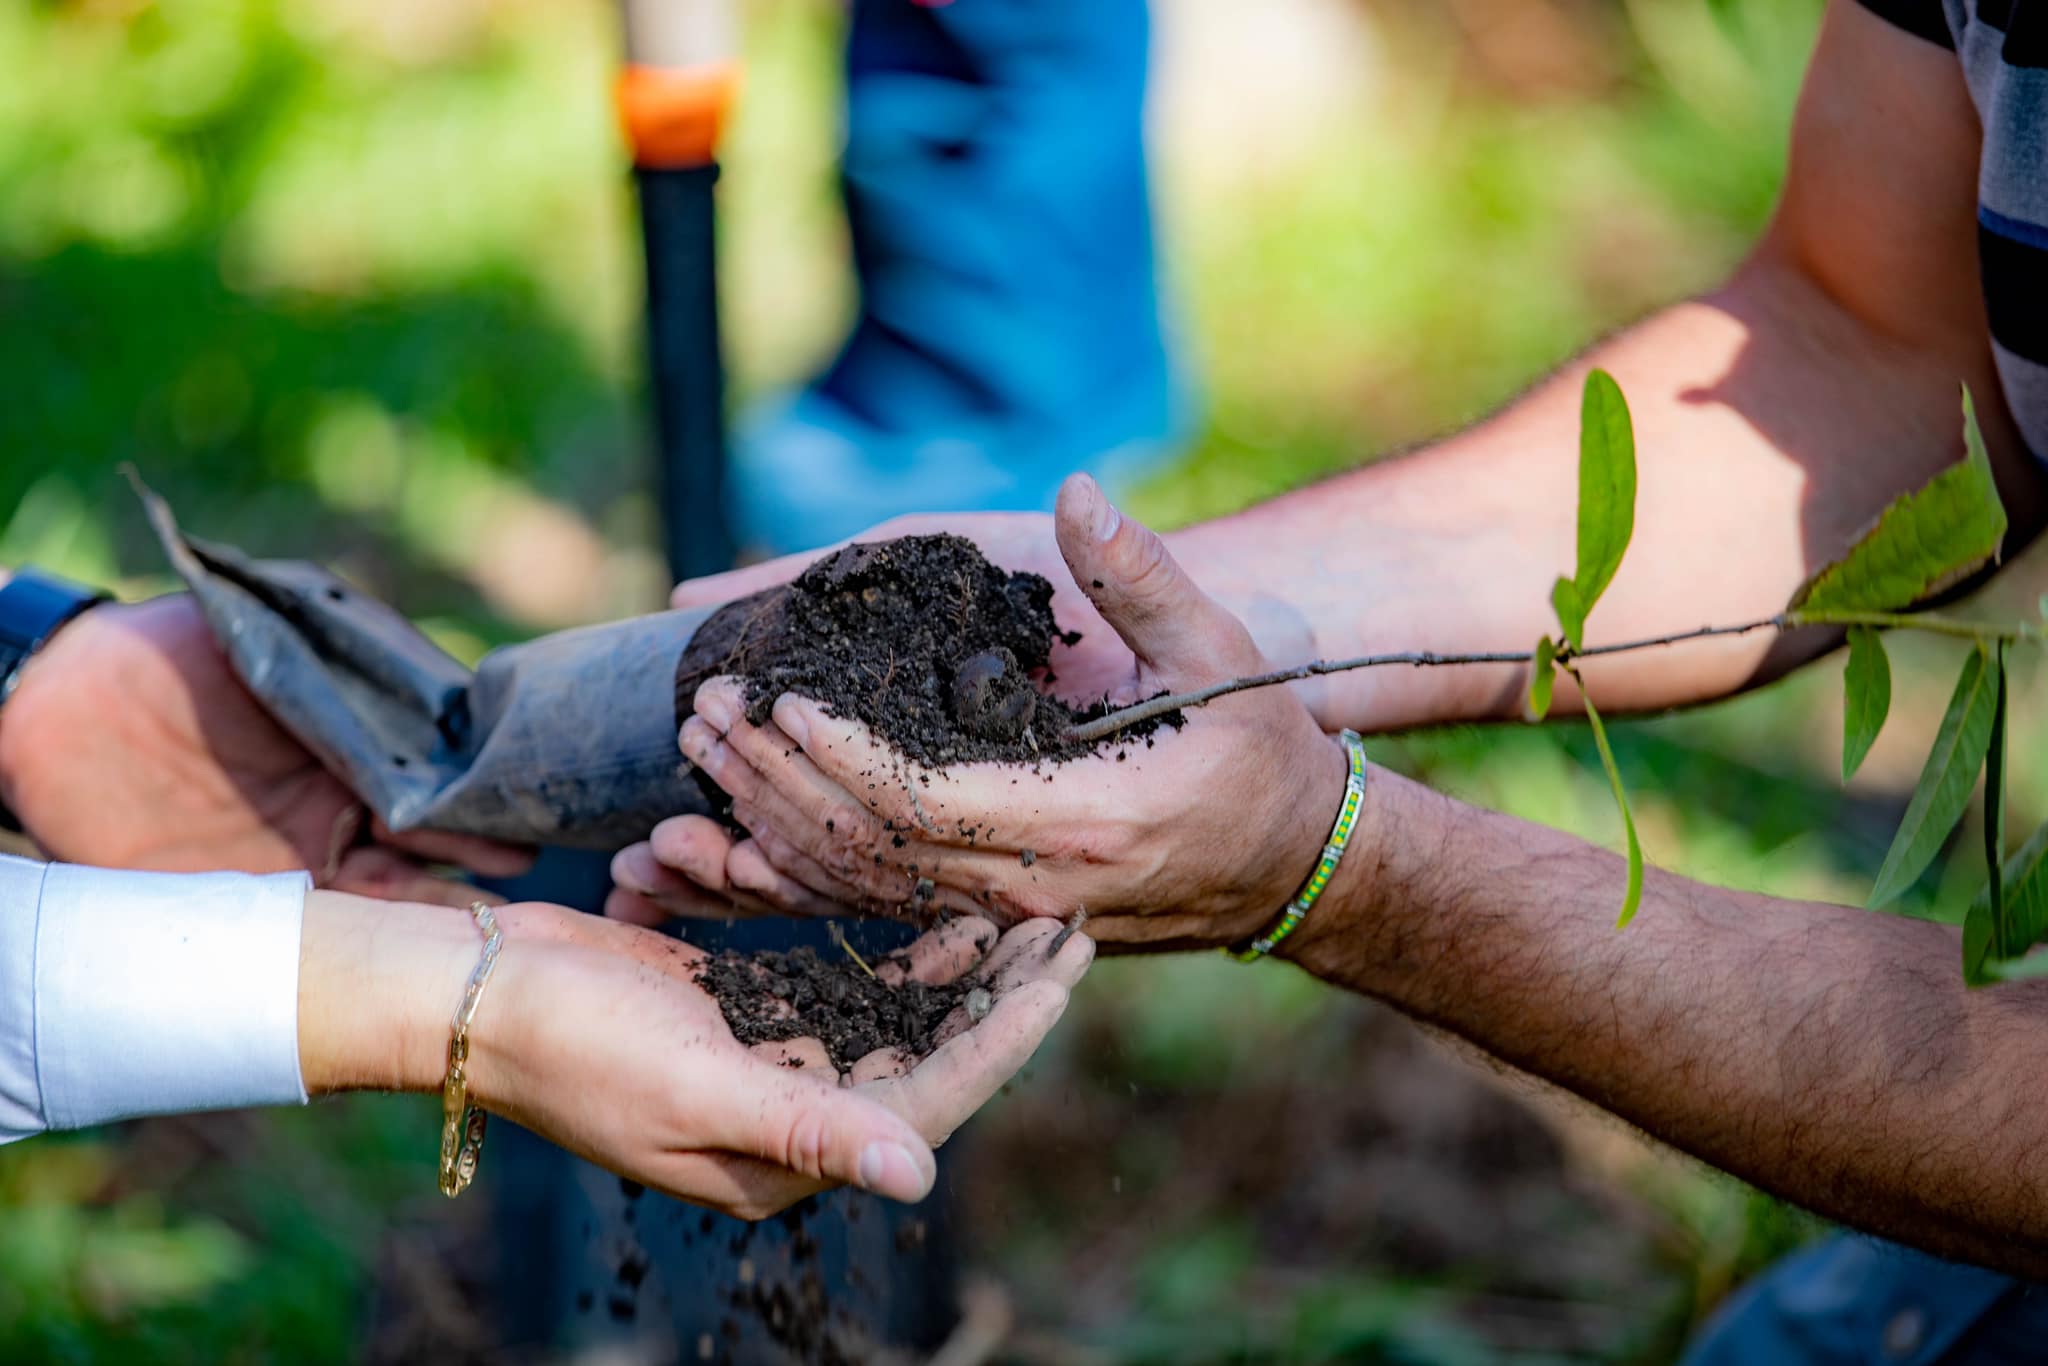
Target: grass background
(358,280)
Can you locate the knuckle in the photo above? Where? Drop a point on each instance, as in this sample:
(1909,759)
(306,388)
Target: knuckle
(805,1141)
(1149,570)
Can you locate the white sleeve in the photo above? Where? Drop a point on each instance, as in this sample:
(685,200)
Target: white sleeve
(127,994)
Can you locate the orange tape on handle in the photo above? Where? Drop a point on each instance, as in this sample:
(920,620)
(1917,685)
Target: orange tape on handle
(673,118)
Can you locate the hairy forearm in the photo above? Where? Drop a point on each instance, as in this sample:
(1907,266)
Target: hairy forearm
(1771,426)
(1827,1054)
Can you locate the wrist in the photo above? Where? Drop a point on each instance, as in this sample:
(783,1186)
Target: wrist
(378,986)
(1351,936)
(1314,821)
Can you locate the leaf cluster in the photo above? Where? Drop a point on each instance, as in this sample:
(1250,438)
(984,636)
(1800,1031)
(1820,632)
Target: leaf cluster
(1923,543)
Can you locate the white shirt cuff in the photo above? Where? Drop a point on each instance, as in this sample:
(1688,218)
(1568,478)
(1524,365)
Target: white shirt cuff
(158,993)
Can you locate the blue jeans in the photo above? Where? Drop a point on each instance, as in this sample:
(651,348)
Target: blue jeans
(1009,331)
(1853,1299)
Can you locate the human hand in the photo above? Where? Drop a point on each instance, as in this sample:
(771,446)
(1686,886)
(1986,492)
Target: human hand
(597,1035)
(1196,840)
(130,743)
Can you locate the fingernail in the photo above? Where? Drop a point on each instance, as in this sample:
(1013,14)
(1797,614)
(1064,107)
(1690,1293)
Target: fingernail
(889,1169)
(697,740)
(715,706)
(1107,518)
(629,872)
(789,714)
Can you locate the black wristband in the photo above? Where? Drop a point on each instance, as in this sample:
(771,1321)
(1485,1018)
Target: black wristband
(33,607)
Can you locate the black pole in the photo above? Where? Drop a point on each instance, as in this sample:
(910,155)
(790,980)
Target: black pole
(686,369)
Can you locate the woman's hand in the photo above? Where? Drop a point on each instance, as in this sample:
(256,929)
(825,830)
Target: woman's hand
(596,1035)
(1198,838)
(130,743)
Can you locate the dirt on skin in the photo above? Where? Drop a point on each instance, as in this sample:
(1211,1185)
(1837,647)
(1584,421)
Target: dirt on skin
(920,639)
(773,997)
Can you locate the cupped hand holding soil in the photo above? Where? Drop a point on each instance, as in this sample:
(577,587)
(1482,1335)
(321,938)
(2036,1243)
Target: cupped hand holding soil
(664,1064)
(1174,839)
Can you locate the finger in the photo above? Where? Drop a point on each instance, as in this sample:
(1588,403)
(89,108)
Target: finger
(981,812)
(837,849)
(822,799)
(879,1065)
(684,864)
(751,871)
(906,860)
(1021,956)
(939,1093)
(820,1131)
(785,875)
(939,956)
(635,909)
(373,870)
(1024,956)
(743,1187)
(1144,594)
(485,858)
(637,872)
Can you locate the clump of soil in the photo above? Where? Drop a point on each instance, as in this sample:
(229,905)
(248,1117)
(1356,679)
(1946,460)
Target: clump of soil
(920,639)
(772,997)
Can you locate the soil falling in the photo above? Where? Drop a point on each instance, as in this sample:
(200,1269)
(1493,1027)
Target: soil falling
(921,639)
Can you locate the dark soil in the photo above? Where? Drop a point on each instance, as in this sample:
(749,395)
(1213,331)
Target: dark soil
(772,997)
(921,639)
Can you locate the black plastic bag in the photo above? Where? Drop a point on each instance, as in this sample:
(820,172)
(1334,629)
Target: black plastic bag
(569,739)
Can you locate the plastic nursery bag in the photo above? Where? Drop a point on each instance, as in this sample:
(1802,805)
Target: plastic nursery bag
(569,739)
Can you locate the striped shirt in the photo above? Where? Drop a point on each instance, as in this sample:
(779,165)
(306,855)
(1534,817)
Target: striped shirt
(2003,46)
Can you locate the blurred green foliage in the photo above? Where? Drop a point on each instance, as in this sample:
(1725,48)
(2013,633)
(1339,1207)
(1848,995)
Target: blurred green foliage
(356,279)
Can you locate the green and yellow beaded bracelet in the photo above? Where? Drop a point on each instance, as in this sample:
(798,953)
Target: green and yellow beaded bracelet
(1326,866)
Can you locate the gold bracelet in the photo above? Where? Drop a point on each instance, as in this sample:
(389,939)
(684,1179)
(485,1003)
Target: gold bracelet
(1326,866)
(462,1124)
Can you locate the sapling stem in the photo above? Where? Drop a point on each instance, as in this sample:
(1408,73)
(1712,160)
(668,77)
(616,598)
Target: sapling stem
(1125,717)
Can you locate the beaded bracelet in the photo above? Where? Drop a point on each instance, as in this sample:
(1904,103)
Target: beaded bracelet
(1326,866)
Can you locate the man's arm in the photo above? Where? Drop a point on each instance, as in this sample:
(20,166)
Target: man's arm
(1774,418)
(1828,1054)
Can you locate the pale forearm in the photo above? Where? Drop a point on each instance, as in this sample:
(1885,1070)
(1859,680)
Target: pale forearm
(1827,1054)
(378,985)
(1771,427)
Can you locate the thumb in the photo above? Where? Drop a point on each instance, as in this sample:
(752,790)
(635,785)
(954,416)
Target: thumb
(833,1134)
(1143,593)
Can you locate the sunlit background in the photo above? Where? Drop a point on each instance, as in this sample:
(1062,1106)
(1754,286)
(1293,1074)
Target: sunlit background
(358,280)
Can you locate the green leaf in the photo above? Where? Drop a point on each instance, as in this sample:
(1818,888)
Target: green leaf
(1542,678)
(1634,896)
(2018,970)
(1867,696)
(1994,811)
(1607,501)
(1571,612)
(1973,436)
(1921,544)
(1978,934)
(1945,782)
(2025,879)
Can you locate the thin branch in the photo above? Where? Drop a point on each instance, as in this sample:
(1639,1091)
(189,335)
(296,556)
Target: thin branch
(1122,719)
